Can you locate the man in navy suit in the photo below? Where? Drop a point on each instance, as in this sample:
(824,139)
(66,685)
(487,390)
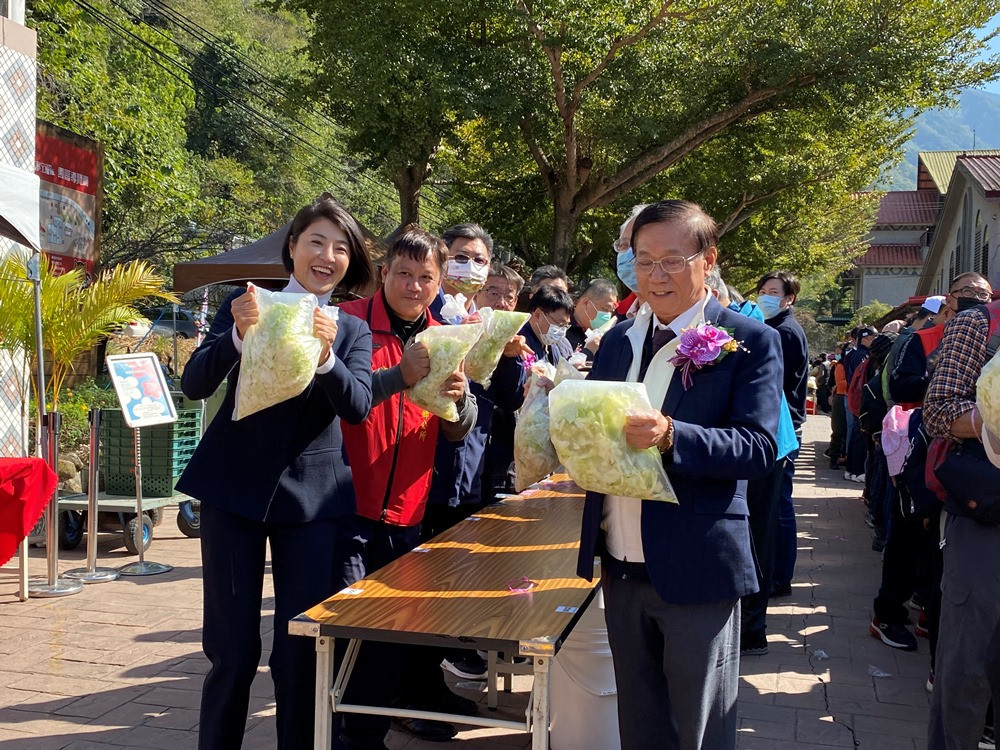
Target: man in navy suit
(673,574)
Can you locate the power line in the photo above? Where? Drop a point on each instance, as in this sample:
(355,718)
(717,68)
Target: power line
(208,38)
(120,30)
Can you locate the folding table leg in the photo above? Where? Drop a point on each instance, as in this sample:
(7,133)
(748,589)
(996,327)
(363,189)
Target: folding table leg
(323,720)
(540,705)
(491,680)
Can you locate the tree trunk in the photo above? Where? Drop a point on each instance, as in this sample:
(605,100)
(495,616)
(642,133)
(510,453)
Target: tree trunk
(409,181)
(564,226)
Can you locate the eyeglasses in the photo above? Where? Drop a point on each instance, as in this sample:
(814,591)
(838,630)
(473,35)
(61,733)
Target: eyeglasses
(670,264)
(462,258)
(972,292)
(496,294)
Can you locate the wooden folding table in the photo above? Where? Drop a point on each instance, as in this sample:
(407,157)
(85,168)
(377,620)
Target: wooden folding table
(503,580)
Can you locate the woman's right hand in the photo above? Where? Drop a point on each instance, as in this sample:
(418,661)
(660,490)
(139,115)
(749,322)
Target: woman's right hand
(245,312)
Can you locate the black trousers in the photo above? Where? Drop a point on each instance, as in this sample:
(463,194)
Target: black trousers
(762,499)
(385,674)
(838,429)
(905,566)
(305,570)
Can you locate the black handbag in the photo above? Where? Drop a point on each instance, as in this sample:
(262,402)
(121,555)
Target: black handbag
(969,477)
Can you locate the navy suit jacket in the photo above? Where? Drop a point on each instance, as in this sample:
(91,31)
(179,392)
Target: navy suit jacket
(698,551)
(286,463)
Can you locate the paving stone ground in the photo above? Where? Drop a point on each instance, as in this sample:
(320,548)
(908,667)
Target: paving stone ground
(120,664)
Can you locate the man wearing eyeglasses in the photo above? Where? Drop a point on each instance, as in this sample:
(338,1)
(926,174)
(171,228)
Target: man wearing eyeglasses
(673,574)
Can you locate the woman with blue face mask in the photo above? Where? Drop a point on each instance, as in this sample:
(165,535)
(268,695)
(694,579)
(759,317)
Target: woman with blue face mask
(551,314)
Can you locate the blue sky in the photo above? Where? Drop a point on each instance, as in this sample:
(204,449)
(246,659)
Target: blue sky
(994,86)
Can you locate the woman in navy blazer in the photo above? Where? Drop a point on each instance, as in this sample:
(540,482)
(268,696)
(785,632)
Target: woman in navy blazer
(277,477)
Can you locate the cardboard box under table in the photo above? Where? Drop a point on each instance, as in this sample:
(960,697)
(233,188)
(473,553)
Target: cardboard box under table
(464,589)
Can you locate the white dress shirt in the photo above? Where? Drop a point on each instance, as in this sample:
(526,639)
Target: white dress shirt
(295,287)
(622,521)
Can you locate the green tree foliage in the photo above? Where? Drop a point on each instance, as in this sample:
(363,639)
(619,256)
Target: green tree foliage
(774,109)
(869,313)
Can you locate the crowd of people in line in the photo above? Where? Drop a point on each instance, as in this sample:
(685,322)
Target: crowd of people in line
(898,399)
(351,474)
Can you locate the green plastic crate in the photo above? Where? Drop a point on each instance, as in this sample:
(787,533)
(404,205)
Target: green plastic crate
(152,486)
(164,449)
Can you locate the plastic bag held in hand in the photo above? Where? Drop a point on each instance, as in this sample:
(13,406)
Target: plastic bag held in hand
(534,455)
(499,327)
(453,308)
(587,427)
(280,353)
(566,371)
(447,346)
(988,394)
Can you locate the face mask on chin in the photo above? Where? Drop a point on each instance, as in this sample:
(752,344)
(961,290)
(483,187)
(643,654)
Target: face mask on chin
(967,303)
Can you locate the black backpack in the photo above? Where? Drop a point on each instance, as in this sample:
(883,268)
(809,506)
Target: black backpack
(916,500)
(873,406)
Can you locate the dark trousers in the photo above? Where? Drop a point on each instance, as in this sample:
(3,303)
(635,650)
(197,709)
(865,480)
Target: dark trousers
(676,666)
(762,500)
(838,429)
(385,674)
(305,571)
(787,545)
(904,559)
(855,449)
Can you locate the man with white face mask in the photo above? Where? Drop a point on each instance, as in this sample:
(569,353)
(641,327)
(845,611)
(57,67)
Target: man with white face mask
(545,332)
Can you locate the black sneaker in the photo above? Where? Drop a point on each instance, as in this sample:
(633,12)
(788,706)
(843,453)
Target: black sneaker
(444,701)
(988,740)
(471,666)
(895,636)
(782,590)
(753,646)
(426,729)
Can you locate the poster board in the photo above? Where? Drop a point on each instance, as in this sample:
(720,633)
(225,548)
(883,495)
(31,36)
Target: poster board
(70,170)
(142,389)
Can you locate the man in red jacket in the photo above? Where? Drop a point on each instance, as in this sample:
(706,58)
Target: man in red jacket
(392,453)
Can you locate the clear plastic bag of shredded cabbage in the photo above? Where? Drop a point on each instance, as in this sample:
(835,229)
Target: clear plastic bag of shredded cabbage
(499,327)
(587,423)
(280,353)
(447,346)
(988,394)
(566,371)
(534,456)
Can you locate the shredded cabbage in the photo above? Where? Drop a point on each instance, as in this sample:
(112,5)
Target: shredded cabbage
(499,327)
(280,353)
(988,394)
(587,429)
(534,456)
(447,346)
(566,371)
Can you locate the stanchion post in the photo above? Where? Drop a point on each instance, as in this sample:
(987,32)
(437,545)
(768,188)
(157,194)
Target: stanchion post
(52,584)
(141,568)
(91,573)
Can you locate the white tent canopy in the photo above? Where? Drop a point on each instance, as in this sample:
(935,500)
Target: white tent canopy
(19,191)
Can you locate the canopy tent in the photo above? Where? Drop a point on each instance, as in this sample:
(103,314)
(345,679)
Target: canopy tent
(19,198)
(258,261)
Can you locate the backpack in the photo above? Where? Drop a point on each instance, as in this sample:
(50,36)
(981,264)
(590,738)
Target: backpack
(916,499)
(873,407)
(855,386)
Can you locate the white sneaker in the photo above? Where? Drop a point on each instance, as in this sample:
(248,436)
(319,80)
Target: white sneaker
(848,476)
(859,478)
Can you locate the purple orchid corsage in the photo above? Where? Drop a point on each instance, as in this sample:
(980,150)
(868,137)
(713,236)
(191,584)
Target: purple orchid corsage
(701,346)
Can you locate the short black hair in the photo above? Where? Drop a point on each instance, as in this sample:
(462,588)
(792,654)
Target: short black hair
(468,231)
(503,271)
(788,281)
(703,227)
(360,273)
(599,288)
(417,243)
(549,299)
(542,273)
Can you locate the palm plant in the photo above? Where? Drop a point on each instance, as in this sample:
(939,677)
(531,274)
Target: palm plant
(75,316)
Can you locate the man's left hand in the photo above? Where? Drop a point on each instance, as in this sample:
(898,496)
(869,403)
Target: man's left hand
(645,430)
(455,386)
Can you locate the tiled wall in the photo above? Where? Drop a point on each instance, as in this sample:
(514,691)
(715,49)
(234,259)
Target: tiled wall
(17,149)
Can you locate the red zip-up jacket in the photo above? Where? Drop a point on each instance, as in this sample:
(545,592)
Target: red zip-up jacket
(392,452)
